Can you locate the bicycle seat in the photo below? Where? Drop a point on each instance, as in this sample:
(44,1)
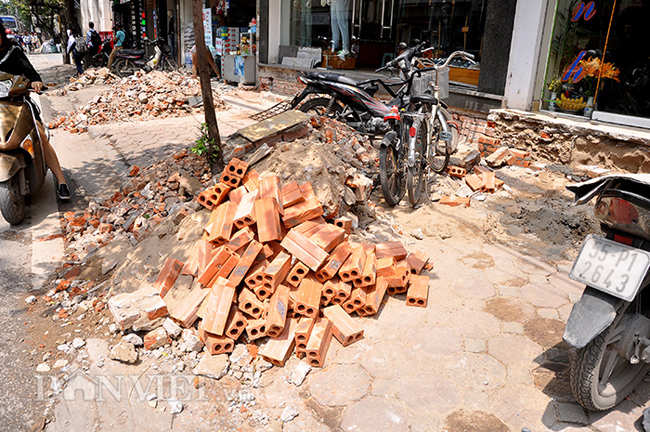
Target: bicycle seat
(424,98)
(130,52)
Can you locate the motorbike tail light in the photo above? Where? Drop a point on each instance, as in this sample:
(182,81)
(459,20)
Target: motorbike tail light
(623,215)
(412,132)
(622,239)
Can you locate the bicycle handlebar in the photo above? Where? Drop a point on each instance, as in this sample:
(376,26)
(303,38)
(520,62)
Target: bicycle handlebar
(463,54)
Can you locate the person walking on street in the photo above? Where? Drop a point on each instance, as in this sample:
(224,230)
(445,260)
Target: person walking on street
(14,61)
(72,49)
(119,43)
(93,39)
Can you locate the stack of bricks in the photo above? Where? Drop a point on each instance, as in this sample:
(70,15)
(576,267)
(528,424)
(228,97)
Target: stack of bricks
(269,266)
(483,180)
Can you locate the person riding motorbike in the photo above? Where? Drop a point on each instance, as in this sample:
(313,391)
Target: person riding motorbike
(14,61)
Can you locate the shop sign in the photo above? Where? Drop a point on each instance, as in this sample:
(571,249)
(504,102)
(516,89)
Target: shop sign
(207,26)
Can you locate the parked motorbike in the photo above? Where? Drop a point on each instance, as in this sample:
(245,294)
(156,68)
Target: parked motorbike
(610,324)
(351,101)
(100,59)
(22,163)
(128,61)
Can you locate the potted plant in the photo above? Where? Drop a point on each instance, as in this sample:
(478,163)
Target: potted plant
(594,69)
(554,86)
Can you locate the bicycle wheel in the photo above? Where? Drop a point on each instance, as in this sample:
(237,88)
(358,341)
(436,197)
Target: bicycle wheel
(415,174)
(391,173)
(440,151)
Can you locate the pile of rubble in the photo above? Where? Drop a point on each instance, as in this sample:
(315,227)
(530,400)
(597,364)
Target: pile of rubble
(146,199)
(90,77)
(338,162)
(141,96)
(270,268)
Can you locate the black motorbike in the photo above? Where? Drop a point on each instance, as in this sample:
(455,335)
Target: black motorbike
(610,324)
(100,59)
(351,101)
(128,61)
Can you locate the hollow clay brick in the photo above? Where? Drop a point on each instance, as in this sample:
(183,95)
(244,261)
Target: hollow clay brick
(356,300)
(319,342)
(398,282)
(255,275)
(276,272)
(251,180)
(374,296)
(310,227)
(241,238)
(185,311)
(475,183)
(256,329)
(353,266)
(216,344)
(488,180)
(297,273)
(277,311)
(225,269)
(245,263)
(236,323)
(342,294)
(213,196)
(267,252)
(219,258)
(245,214)
(336,259)
(455,171)
(391,249)
(222,226)
(369,274)
(418,291)
(305,210)
(235,196)
(303,331)
(167,277)
(250,304)
(270,188)
(291,194)
(344,328)
(417,260)
(304,249)
(328,237)
(237,168)
(278,349)
(345,223)
(218,307)
(228,175)
(386,266)
(307,300)
(328,292)
(268,220)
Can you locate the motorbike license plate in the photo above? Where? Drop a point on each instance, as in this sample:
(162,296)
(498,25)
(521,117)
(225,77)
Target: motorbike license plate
(611,267)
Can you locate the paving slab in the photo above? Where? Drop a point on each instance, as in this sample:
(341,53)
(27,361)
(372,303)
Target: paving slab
(339,385)
(372,414)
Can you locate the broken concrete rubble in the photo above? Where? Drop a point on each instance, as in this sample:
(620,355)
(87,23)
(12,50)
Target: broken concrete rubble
(141,96)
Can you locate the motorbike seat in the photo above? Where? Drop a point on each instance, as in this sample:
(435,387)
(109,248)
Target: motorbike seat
(130,52)
(333,77)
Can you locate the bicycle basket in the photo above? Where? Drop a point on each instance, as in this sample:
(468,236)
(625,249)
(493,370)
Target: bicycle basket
(425,83)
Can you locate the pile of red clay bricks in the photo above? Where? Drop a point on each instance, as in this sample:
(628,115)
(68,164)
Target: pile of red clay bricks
(496,155)
(269,266)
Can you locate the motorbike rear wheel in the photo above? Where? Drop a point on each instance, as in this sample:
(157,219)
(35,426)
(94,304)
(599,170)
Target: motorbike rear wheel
(12,203)
(600,376)
(321,106)
(124,67)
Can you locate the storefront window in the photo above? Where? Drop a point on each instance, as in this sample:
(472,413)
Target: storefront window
(371,30)
(599,58)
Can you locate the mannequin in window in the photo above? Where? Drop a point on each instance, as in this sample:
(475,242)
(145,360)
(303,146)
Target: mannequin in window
(340,11)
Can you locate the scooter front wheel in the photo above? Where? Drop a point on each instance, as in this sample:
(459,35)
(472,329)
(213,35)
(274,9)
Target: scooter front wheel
(12,203)
(600,376)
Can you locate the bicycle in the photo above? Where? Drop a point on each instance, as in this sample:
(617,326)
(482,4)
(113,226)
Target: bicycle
(431,136)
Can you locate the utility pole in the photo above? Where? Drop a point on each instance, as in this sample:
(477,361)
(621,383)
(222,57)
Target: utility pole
(214,140)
